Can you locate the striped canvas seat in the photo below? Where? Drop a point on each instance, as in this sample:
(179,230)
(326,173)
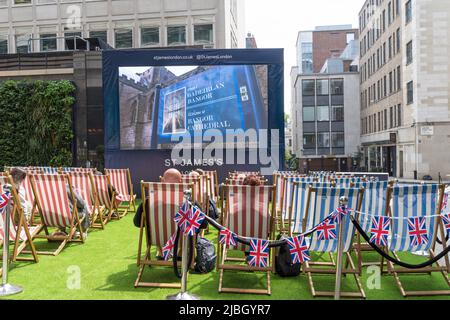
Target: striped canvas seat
(46,170)
(102,187)
(13,230)
(248,212)
(77,169)
(410,202)
(120,180)
(82,185)
(212,185)
(324,201)
(196,181)
(288,186)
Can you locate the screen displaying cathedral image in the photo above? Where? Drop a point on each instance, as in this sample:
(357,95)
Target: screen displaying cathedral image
(159,105)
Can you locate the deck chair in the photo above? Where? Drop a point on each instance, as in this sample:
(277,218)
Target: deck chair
(121,181)
(105,195)
(83,184)
(50,191)
(212,185)
(20,232)
(197,181)
(422,201)
(320,203)
(248,214)
(165,201)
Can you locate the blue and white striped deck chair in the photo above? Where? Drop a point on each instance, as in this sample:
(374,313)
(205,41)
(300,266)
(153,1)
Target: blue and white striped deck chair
(322,201)
(46,170)
(423,201)
(278,180)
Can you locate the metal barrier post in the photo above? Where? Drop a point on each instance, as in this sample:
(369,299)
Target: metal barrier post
(184,294)
(343,201)
(7,289)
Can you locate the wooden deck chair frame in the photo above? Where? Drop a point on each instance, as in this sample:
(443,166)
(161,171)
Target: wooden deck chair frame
(123,209)
(23,235)
(395,271)
(75,224)
(222,252)
(146,260)
(97,219)
(330,268)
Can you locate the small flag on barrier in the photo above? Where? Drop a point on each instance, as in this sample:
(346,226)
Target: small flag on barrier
(182,215)
(194,221)
(227,237)
(326,230)
(298,249)
(446,220)
(417,231)
(167,250)
(4,200)
(380,230)
(337,215)
(259,253)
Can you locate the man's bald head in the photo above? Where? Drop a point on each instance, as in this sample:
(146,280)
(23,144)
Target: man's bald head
(194,174)
(172,176)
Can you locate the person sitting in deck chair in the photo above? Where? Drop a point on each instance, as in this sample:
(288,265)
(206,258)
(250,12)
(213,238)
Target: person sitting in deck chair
(18,175)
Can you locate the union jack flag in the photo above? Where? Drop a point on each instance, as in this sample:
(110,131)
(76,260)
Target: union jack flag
(444,203)
(182,215)
(380,230)
(227,237)
(326,230)
(194,221)
(336,215)
(417,231)
(167,250)
(446,220)
(259,253)
(298,249)
(4,199)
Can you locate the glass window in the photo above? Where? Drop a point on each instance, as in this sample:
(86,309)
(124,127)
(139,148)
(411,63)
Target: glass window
(409,52)
(309,141)
(408,11)
(22,43)
(337,113)
(308,87)
(350,37)
(323,113)
(410,92)
(307,57)
(308,114)
(123,38)
(337,86)
(149,36)
(338,140)
(322,87)
(176,35)
(100,34)
(22,1)
(48,42)
(3,44)
(399,115)
(323,139)
(203,34)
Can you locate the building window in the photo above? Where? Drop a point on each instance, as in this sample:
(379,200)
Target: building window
(176,35)
(337,86)
(3,44)
(322,87)
(22,43)
(123,38)
(323,113)
(99,34)
(323,139)
(48,42)
(350,37)
(149,36)
(410,92)
(409,53)
(309,141)
(309,114)
(408,11)
(398,40)
(22,1)
(337,140)
(308,87)
(203,34)
(399,79)
(399,115)
(307,57)
(337,113)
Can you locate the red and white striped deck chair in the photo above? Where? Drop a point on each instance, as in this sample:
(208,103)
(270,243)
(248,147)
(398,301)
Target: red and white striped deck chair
(157,221)
(212,185)
(121,181)
(18,225)
(105,195)
(197,182)
(29,196)
(83,184)
(248,214)
(52,200)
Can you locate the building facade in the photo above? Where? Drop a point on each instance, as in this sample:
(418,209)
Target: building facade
(405,68)
(44,25)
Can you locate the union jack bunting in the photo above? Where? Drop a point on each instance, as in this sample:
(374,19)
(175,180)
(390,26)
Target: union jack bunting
(167,250)
(227,237)
(194,221)
(259,253)
(326,230)
(182,215)
(380,230)
(446,221)
(4,199)
(336,215)
(298,249)
(444,203)
(417,231)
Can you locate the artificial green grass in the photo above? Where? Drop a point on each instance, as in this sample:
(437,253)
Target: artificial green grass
(108,270)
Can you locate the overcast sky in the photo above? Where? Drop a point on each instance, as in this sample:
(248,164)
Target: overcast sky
(275,24)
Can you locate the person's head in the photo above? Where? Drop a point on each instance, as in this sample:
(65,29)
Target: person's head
(252,180)
(18,175)
(194,174)
(172,176)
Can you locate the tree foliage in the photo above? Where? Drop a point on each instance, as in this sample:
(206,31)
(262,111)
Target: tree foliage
(36,127)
